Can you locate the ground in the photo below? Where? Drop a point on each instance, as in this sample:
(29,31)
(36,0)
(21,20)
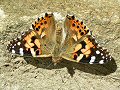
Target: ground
(18,73)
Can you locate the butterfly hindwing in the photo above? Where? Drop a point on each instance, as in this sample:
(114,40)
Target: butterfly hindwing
(36,42)
(80,46)
(90,52)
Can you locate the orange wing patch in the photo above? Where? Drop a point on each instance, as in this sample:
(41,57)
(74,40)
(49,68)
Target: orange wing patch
(84,48)
(88,46)
(77,27)
(30,42)
(42,23)
(32,39)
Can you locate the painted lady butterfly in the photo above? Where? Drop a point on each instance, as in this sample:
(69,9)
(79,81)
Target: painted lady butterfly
(71,41)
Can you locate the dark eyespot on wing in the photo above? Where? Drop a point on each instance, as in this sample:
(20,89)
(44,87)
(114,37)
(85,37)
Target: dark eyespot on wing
(73,17)
(78,26)
(75,57)
(46,14)
(73,24)
(41,23)
(45,22)
(83,44)
(77,20)
(33,26)
(87,31)
(33,39)
(80,30)
(35,47)
(82,33)
(42,18)
(85,60)
(38,19)
(81,22)
(84,27)
(79,52)
(37,29)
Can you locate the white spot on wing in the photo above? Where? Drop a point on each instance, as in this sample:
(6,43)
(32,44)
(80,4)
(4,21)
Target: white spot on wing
(101,61)
(103,57)
(101,54)
(106,55)
(21,51)
(97,52)
(13,51)
(92,59)
(18,43)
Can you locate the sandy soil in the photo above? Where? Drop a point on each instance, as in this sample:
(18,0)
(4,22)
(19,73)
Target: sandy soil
(18,73)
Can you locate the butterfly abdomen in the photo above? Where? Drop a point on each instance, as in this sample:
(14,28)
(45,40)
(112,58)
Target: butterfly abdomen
(56,57)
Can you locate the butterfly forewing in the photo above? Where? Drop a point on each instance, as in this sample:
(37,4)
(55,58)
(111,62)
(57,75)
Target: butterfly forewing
(80,46)
(38,41)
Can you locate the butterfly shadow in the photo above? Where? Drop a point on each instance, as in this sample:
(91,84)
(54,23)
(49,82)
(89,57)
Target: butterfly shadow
(96,69)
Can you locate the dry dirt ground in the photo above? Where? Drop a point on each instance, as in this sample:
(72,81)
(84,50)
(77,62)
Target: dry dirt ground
(18,73)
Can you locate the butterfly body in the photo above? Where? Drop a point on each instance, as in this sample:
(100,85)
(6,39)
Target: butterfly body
(71,41)
(56,54)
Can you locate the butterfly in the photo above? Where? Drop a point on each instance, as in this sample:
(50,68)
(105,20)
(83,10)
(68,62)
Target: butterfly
(69,40)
